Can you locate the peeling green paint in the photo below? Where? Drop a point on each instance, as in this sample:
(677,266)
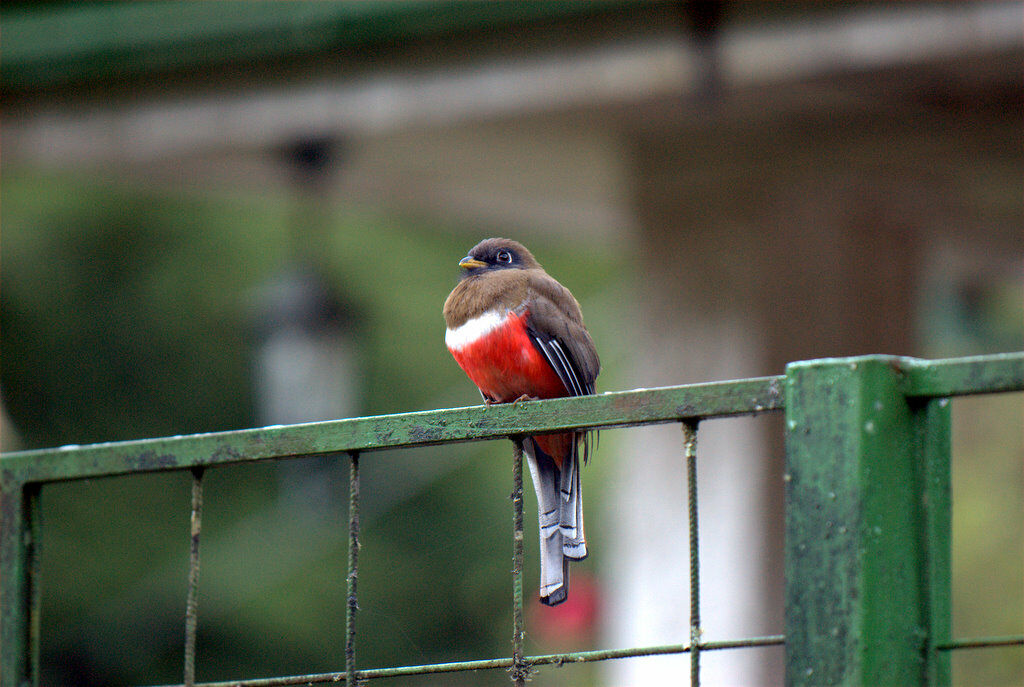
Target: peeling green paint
(867,512)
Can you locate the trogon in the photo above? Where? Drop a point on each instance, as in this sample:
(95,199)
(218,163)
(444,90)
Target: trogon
(519,335)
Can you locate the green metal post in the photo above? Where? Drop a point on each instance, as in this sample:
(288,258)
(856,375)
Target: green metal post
(19,582)
(866,526)
(937,507)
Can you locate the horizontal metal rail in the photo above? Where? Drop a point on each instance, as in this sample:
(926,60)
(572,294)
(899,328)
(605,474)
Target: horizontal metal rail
(981,643)
(622,408)
(983,374)
(501,663)
(922,378)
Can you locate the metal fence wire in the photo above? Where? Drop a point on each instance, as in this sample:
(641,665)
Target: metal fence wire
(867,513)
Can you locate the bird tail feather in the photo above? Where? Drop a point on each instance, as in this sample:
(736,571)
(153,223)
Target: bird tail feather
(560,518)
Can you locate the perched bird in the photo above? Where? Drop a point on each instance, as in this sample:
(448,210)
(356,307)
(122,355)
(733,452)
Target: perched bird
(519,335)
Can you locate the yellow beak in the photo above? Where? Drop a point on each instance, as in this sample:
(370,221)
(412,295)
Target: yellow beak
(468,263)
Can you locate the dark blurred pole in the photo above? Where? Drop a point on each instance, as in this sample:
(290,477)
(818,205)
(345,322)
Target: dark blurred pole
(703,20)
(306,362)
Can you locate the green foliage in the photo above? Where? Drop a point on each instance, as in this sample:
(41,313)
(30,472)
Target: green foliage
(120,314)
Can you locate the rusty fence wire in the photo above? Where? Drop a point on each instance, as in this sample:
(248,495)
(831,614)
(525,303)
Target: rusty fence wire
(882,416)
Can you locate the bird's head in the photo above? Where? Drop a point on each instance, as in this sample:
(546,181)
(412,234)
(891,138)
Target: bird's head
(497,254)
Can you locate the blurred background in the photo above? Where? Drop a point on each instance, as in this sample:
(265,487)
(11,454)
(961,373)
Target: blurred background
(222,215)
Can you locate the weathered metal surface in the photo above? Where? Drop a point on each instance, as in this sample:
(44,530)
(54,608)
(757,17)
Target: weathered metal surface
(499,663)
(867,506)
(520,669)
(352,574)
(690,454)
(857,560)
(936,503)
(23,472)
(984,374)
(982,643)
(192,601)
(642,406)
(19,582)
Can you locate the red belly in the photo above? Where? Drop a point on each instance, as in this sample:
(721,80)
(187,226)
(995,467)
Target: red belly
(505,364)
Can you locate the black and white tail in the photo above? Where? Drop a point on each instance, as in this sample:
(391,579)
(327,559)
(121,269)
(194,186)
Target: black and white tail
(560,514)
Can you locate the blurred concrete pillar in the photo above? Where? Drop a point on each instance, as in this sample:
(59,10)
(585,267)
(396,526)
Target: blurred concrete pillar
(698,323)
(754,256)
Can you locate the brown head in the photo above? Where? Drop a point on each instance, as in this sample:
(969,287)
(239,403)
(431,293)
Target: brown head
(495,273)
(497,254)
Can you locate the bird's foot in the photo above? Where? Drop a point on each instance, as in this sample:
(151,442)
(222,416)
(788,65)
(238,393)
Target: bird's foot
(525,397)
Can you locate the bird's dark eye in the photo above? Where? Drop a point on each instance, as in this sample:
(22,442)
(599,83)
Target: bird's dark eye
(504,256)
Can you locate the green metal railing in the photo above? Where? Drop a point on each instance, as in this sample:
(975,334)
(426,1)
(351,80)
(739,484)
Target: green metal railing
(867,512)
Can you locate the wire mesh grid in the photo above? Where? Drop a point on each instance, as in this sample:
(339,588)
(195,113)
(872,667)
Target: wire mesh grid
(519,666)
(920,382)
